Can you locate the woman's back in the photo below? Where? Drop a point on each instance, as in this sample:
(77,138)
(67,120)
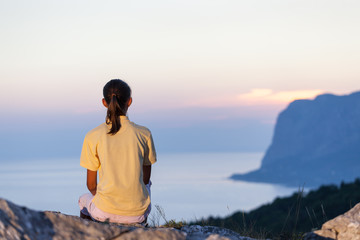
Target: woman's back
(122,153)
(119,158)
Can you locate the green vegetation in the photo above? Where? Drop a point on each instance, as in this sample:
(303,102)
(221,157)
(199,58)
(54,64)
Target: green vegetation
(160,214)
(174,224)
(290,217)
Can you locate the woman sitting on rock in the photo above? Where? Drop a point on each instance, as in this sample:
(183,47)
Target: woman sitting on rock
(122,152)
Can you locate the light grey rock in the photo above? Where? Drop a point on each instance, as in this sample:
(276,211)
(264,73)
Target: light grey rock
(196,232)
(22,223)
(152,234)
(343,227)
(18,222)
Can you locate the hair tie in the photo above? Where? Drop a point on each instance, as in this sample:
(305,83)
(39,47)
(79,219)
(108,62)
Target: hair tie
(113,95)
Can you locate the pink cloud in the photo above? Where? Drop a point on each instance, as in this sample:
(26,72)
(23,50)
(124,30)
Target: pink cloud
(265,96)
(256,97)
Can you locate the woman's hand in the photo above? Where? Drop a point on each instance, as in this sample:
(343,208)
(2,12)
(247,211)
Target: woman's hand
(91,181)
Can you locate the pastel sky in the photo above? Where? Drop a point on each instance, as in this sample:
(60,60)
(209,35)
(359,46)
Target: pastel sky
(189,63)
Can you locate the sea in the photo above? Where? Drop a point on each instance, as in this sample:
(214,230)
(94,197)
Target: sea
(185,186)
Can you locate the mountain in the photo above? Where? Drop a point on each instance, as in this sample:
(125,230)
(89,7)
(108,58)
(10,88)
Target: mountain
(315,142)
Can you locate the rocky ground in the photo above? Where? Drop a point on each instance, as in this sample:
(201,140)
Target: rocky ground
(18,222)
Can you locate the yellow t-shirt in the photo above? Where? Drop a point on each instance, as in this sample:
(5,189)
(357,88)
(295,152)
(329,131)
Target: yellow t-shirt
(119,159)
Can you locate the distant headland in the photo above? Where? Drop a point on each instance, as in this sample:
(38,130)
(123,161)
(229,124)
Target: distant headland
(315,142)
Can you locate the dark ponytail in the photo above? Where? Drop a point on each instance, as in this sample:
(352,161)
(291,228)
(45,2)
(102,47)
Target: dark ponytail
(116,94)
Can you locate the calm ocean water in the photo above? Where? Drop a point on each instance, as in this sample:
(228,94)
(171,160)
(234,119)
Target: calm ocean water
(187,186)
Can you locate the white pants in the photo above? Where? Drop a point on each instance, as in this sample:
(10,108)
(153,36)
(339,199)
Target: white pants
(87,207)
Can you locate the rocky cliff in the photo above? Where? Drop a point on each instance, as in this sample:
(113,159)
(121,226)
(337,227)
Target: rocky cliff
(18,222)
(315,142)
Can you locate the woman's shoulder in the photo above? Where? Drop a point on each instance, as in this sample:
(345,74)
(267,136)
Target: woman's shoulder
(141,129)
(95,132)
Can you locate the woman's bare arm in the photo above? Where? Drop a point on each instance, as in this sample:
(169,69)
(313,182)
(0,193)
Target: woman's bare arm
(91,181)
(146,173)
